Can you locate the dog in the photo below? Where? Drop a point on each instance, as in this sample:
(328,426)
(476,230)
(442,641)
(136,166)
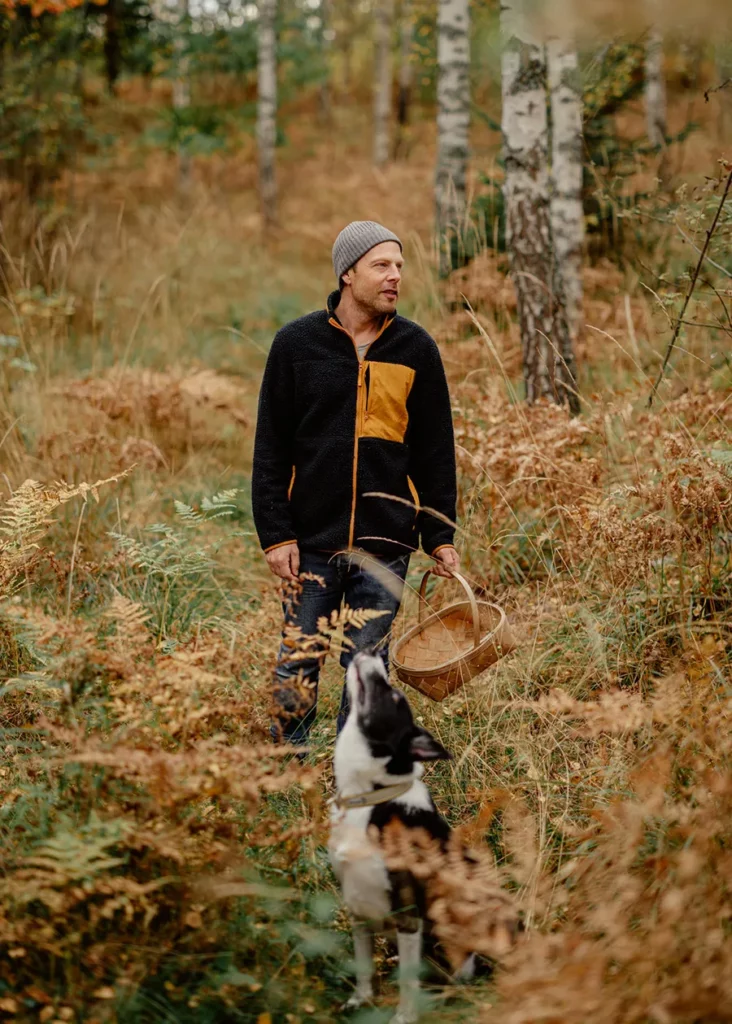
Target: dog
(378,768)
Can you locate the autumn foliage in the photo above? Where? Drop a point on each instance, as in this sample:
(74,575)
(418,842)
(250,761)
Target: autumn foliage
(161,859)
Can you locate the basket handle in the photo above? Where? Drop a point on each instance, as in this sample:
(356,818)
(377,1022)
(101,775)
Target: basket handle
(468,592)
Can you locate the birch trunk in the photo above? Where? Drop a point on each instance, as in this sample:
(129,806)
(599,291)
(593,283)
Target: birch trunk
(453,123)
(325,43)
(565,206)
(545,340)
(267,109)
(382,80)
(655,89)
(182,91)
(406,75)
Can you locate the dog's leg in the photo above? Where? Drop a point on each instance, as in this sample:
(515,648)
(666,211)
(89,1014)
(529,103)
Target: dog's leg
(410,960)
(363,955)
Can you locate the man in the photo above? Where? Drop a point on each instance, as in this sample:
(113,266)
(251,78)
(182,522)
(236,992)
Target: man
(354,444)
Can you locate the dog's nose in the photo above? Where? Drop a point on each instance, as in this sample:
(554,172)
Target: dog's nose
(370,666)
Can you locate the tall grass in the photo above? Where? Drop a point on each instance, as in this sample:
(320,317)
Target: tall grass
(160,859)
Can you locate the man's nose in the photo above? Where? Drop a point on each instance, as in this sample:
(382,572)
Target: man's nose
(395,273)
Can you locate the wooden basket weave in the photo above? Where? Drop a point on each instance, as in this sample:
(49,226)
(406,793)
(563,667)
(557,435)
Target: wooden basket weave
(452,645)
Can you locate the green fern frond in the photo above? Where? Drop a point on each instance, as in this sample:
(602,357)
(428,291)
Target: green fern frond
(70,856)
(188,514)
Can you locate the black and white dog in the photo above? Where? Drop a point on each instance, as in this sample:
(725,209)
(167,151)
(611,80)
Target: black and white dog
(378,772)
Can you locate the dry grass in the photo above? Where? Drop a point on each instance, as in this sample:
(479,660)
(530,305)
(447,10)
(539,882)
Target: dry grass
(145,818)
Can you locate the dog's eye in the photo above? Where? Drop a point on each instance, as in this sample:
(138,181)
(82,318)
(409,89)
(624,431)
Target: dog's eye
(396,697)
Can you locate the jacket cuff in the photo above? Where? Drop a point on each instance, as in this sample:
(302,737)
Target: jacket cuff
(282,544)
(435,535)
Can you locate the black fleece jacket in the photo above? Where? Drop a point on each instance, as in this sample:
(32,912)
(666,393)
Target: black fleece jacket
(335,437)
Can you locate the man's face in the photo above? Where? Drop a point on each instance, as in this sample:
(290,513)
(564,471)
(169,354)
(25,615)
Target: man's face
(376,278)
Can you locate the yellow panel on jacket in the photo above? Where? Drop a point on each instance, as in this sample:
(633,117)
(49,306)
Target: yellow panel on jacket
(388,388)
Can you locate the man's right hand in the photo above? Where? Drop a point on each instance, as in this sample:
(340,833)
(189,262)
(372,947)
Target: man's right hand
(285,561)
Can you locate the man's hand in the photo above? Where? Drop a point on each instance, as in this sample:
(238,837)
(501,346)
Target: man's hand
(285,561)
(447,561)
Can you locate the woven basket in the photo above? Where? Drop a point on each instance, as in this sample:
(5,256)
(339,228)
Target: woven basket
(451,646)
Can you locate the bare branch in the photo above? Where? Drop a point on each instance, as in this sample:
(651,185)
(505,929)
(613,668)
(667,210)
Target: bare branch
(710,233)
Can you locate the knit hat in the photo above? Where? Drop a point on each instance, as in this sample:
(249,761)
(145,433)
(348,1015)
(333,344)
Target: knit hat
(356,240)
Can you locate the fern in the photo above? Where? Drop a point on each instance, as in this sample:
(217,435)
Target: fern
(71,856)
(26,516)
(211,508)
(346,618)
(129,617)
(170,556)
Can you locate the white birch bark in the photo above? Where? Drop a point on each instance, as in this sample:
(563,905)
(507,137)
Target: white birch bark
(182,88)
(405,68)
(565,207)
(267,109)
(453,123)
(383,70)
(543,323)
(655,89)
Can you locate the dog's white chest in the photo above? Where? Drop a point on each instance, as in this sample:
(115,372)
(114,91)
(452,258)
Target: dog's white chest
(358,865)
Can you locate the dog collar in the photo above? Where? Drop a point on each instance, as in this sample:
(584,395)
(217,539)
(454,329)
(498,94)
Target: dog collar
(373,796)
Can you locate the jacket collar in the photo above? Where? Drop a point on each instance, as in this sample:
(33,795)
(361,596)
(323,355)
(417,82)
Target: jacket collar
(332,305)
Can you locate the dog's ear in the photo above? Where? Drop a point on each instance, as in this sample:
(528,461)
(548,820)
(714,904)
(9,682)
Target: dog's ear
(424,747)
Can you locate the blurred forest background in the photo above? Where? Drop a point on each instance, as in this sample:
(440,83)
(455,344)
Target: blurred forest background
(172,178)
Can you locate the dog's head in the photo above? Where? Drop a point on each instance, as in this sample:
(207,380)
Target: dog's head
(384,718)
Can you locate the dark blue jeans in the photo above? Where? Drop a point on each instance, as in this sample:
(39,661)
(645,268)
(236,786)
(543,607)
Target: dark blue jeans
(342,578)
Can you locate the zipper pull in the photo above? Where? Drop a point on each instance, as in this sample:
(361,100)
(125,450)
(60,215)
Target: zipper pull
(360,374)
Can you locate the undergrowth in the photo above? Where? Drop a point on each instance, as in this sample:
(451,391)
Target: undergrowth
(161,860)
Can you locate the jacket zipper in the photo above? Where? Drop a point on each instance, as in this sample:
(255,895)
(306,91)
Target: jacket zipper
(360,403)
(360,413)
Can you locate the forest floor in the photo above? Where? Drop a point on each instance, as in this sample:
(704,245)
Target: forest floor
(160,860)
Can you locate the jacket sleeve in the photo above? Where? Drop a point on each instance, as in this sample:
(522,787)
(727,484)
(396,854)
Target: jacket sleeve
(273,450)
(432,451)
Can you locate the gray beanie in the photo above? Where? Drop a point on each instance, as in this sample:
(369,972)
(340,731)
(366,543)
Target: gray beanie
(356,240)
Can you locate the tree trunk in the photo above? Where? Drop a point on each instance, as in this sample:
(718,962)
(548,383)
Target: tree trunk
(655,89)
(453,123)
(382,80)
(112,45)
(325,44)
(566,213)
(267,109)
(545,340)
(182,93)
(406,75)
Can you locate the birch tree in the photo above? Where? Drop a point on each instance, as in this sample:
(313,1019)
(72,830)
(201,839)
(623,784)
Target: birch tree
(453,122)
(548,362)
(267,109)
(384,20)
(406,72)
(655,89)
(565,207)
(182,91)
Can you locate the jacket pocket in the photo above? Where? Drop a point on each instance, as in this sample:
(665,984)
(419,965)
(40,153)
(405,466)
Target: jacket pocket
(386,414)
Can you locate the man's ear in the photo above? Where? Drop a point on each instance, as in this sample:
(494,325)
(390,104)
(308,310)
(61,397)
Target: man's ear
(424,747)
